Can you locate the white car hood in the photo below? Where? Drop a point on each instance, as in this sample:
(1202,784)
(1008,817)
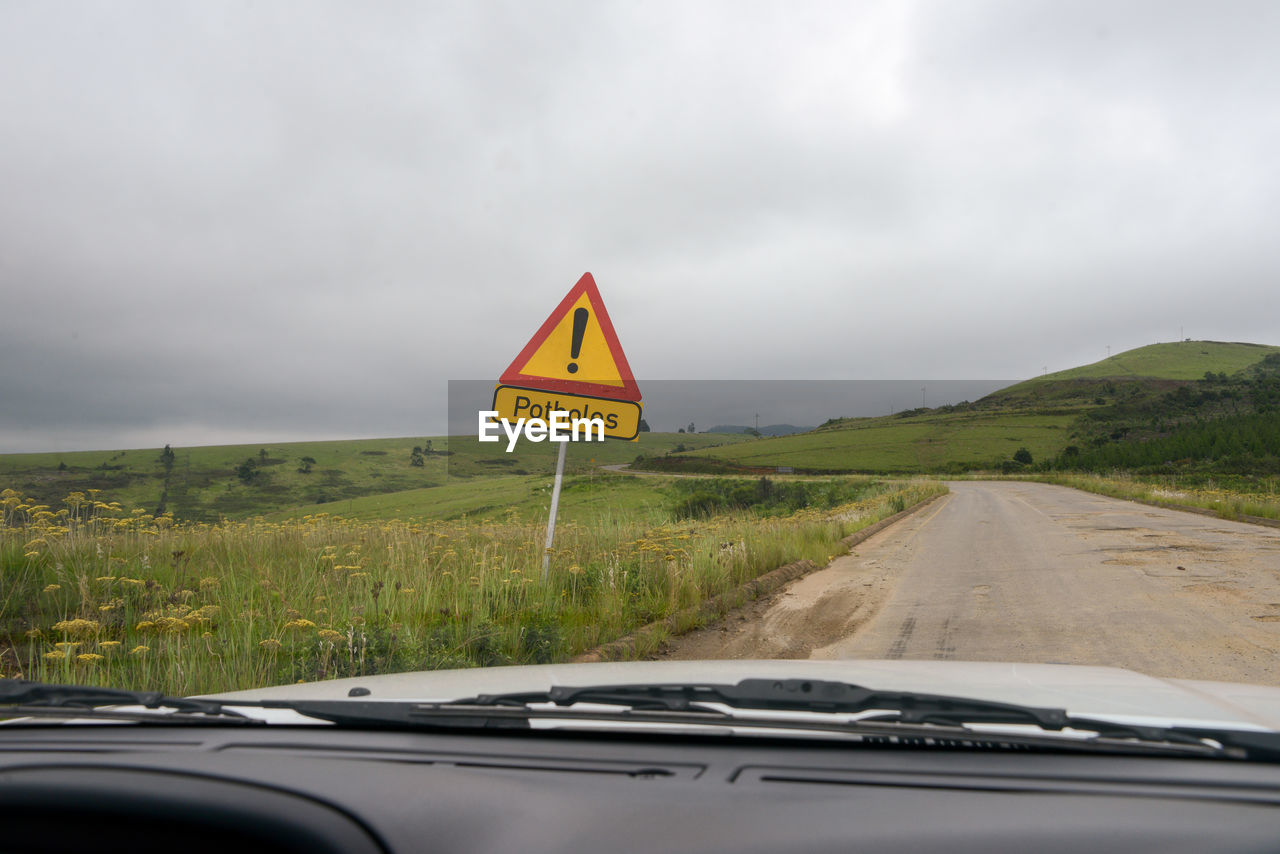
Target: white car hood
(1105,692)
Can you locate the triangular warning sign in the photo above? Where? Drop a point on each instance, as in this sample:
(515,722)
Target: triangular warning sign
(575,351)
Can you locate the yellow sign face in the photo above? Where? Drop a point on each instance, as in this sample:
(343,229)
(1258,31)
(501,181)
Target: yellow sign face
(590,361)
(621,418)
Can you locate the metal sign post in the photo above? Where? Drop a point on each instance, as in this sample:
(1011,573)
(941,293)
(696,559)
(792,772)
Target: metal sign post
(555,505)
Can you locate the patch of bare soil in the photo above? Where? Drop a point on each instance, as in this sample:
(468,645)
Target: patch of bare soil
(796,620)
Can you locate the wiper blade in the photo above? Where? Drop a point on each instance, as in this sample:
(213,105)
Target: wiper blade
(796,695)
(25,697)
(908,708)
(400,714)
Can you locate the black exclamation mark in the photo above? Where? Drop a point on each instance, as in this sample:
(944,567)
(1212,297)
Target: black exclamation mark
(579,329)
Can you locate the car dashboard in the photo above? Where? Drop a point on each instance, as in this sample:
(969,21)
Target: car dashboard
(324,789)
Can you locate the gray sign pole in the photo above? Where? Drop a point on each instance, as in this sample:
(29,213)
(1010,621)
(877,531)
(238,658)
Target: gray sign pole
(555,505)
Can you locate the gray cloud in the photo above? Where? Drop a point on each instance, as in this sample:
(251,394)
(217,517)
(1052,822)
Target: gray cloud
(298,220)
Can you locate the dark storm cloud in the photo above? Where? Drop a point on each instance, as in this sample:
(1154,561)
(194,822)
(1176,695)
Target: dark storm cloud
(297,220)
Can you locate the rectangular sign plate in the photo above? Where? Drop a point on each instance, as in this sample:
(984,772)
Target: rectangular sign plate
(621,417)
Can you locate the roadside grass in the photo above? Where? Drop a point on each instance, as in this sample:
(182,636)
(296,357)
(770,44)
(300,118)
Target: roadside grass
(1228,498)
(94,594)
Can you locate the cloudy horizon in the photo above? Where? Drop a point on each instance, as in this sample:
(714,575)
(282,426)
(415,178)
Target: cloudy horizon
(265,222)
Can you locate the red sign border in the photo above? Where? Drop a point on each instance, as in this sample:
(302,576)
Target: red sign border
(513,377)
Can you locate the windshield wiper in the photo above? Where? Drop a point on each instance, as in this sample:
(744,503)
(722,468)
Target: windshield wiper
(919,711)
(26,698)
(795,695)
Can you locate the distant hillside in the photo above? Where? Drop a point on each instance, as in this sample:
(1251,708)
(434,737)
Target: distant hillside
(1173,362)
(1137,393)
(770,430)
(236,481)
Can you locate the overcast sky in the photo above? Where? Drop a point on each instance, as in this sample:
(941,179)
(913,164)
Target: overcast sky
(263,221)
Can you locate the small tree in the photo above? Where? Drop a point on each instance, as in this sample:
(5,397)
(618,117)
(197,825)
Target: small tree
(167,457)
(247,470)
(1023,456)
(415,458)
(306,464)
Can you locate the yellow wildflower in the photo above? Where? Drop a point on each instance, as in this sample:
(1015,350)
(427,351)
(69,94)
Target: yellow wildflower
(54,656)
(300,624)
(140,650)
(330,635)
(203,614)
(88,657)
(77,627)
(270,644)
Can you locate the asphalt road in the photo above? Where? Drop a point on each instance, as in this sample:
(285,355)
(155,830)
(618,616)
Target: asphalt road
(1008,571)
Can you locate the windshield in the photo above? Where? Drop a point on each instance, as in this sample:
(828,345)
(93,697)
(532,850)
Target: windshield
(343,342)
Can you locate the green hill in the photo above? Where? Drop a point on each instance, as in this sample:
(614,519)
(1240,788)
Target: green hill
(1182,360)
(1083,406)
(1156,367)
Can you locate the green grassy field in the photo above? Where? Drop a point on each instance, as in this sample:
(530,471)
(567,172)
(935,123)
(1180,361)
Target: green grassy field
(203,484)
(1041,415)
(927,442)
(591,496)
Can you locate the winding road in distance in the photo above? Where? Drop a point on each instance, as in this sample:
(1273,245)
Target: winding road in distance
(1012,571)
